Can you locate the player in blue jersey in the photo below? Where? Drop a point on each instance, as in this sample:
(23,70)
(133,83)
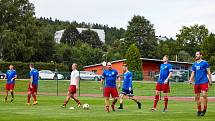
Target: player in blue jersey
(110,76)
(33,84)
(201,76)
(163,83)
(127,88)
(11,76)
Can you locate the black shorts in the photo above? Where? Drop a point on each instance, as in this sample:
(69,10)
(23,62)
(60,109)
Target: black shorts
(127,92)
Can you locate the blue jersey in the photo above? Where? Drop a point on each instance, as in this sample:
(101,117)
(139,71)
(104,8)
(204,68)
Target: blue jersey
(165,69)
(200,70)
(35,75)
(10,74)
(127,80)
(110,77)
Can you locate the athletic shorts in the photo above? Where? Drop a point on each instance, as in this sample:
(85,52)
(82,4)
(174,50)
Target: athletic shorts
(33,89)
(9,87)
(163,87)
(72,89)
(111,91)
(198,88)
(127,92)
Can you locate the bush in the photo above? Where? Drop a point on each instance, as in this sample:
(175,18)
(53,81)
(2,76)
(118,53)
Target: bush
(22,69)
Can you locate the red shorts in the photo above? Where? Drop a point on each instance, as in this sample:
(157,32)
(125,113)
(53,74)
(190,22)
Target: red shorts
(111,90)
(72,89)
(163,87)
(33,89)
(9,87)
(198,88)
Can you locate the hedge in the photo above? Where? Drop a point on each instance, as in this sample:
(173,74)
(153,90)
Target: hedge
(22,69)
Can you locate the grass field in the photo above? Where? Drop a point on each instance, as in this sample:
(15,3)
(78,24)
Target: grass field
(92,87)
(49,109)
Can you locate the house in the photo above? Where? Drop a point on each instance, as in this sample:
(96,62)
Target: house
(100,32)
(150,67)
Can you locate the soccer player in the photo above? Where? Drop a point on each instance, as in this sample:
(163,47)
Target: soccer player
(33,84)
(163,83)
(74,78)
(110,76)
(127,87)
(11,76)
(201,75)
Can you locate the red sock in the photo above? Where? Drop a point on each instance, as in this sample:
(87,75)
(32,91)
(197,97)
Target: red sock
(205,107)
(76,100)
(29,97)
(199,108)
(156,100)
(35,97)
(165,102)
(114,102)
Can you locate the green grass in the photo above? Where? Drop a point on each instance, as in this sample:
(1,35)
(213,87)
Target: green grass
(49,109)
(92,87)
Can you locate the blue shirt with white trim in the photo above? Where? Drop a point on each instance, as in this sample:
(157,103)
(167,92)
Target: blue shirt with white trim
(110,77)
(127,80)
(35,75)
(200,71)
(165,69)
(10,74)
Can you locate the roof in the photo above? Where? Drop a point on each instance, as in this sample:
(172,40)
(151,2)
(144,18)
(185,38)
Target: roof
(148,59)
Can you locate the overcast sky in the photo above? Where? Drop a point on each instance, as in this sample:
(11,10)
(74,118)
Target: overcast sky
(168,16)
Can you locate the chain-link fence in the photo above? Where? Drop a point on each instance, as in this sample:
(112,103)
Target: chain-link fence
(143,85)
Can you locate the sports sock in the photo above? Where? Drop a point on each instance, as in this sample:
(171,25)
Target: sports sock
(199,108)
(165,102)
(156,100)
(29,97)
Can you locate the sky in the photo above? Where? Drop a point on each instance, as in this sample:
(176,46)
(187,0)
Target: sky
(167,16)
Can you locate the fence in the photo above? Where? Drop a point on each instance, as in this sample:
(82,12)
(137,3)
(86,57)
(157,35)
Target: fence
(179,86)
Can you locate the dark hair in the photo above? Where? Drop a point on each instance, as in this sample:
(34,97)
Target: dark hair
(199,52)
(31,65)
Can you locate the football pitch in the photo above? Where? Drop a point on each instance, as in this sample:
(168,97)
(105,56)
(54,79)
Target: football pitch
(49,108)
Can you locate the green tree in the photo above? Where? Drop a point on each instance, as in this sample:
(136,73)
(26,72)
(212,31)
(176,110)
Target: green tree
(168,47)
(70,35)
(19,30)
(92,38)
(208,49)
(185,56)
(63,54)
(141,32)
(190,38)
(84,54)
(133,58)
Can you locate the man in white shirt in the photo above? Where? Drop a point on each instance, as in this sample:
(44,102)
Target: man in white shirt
(74,78)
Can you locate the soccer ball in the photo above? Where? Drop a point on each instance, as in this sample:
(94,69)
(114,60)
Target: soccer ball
(86,106)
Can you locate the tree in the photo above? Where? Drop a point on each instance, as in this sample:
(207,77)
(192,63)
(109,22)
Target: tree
(70,35)
(19,30)
(185,56)
(133,58)
(190,38)
(63,54)
(208,49)
(141,32)
(91,37)
(84,54)
(168,47)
